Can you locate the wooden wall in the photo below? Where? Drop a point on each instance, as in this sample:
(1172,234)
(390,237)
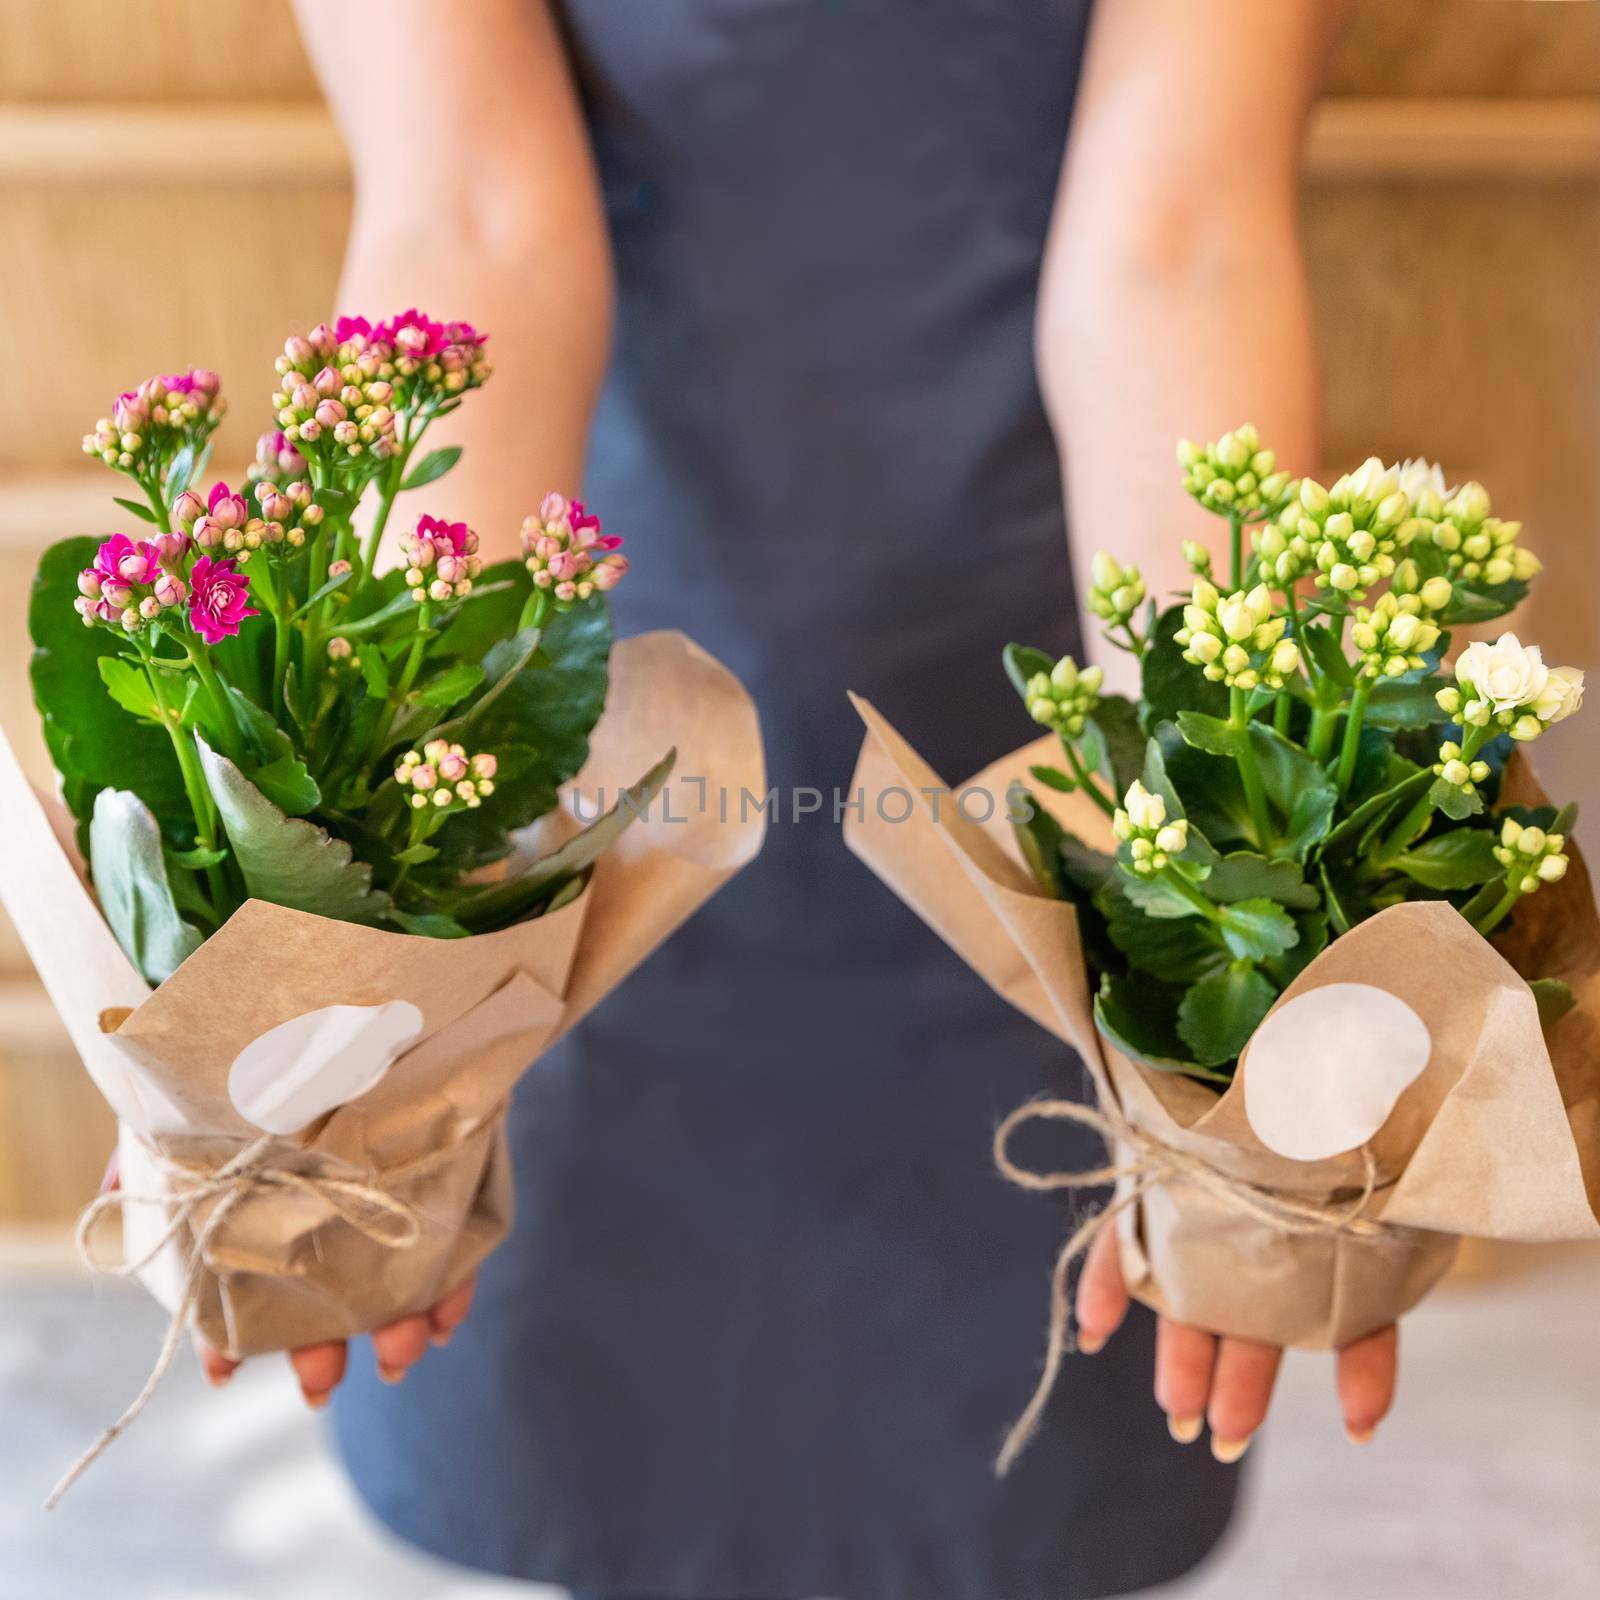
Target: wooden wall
(171,190)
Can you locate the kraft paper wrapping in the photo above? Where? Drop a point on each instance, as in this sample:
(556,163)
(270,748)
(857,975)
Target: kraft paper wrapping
(1499,1136)
(288,1268)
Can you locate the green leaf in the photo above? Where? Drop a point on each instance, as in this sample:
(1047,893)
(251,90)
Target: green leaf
(92,740)
(129,686)
(274,765)
(1327,655)
(130,880)
(1460,859)
(1179,950)
(1379,807)
(1039,838)
(414,855)
(1023,662)
(1471,603)
(521,896)
(1395,703)
(1157,896)
(1211,734)
(1217,1015)
(337,582)
(428,924)
(1341,915)
(1555,999)
(198,859)
(287,860)
(137,508)
(1244,875)
(1257,930)
(1139,1015)
(1054,778)
(1456,803)
(549,704)
(454,684)
(373,672)
(1169,683)
(181,471)
(1112,742)
(402,605)
(287,784)
(1298,788)
(1313,940)
(432,466)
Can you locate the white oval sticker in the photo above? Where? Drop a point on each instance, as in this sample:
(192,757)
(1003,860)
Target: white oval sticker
(294,1073)
(1324,1071)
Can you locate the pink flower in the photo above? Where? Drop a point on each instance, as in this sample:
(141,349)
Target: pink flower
(188,507)
(218,600)
(448,550)
(120,561)
(348,327)
(413,334)
(226,506)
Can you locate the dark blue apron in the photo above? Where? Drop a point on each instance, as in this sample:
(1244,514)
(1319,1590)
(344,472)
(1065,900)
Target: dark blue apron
(767,1308)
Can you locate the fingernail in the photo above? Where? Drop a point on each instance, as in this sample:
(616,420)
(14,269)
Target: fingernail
(1228,1451)
(1089,1343)
(1185,1429)
(317,1401)
(219,1380)
(441,1337)
(1360,1435)
(391,1374)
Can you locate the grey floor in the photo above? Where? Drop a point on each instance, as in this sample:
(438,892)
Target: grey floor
(1483,1486)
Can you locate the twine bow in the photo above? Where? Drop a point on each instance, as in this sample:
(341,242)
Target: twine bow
(1155,1164)
(383,1218)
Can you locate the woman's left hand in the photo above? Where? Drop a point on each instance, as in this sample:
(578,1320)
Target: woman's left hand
(1225,1382)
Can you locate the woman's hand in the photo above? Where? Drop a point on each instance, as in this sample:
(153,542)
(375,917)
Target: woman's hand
(1226,1382)
(398,1345)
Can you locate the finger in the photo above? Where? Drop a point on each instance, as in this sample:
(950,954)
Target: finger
(1184,1359)
(319,1367)
(217,1367)
(1102,1296)
(1241,1391)
(1366,1379)
(400,1346)
(450,1312)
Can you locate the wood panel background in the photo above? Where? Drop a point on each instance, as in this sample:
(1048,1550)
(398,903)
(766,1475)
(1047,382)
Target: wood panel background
(153,156)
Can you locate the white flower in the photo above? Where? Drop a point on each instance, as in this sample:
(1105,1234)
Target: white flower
(1506,674)
(1146,811)
(1371,481)
(1561,696)
(1418,477)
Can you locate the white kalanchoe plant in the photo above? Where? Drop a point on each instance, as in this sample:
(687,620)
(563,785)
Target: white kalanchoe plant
(1297,759)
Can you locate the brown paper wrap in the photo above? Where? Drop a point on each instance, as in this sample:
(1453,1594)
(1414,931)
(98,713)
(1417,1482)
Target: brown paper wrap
(1498,1137)
(288,1267)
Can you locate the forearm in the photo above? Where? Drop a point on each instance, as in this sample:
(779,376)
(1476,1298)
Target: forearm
(480,202)
(1140,347)
(547,306)
(1173,301)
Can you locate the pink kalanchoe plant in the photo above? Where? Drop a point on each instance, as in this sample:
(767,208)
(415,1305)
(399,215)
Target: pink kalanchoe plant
(314,697)
(219,601)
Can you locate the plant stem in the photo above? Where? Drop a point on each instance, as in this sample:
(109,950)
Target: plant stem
(1086,781)
(1249,768)
(1236,548)
(1176,880)
(1487,924)
(1352,733)
(1401,835)
(1281,709)
(194,786)
(221,707)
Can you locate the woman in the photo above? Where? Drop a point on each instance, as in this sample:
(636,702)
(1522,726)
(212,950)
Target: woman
(767,1307)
